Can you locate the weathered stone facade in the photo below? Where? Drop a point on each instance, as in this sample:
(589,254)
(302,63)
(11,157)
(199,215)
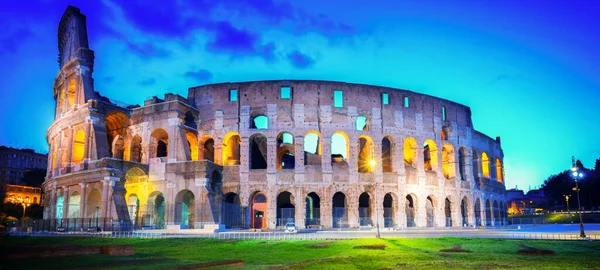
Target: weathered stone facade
(387,157)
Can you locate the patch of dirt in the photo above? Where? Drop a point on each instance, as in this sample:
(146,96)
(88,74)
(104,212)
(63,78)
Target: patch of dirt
(531,251)
(321,245)
(219,264)
(456,248)
(304,263)
(378,246)
(233,241)
(495,266)
(128,263)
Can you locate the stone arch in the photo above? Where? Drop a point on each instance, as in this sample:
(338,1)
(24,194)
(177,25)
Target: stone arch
(410,151)
(387,154)
(499,171)
(192,143)
(257,151)
(71,92)
(475,163)
(116,126)
(477,208)
(339,210)
(362,123)
(390,208)
(231,149)
(410,208)
(496,213)
(231,211)
(313,210)
(74,205)
(190,120)
(430,206)
(185,209)
(159,144)
(135,175)
(285,151)
(258,206)
(135,149)
(312,148)
(366,162)
(488,213)
(465,211)
(78,147)
(133,206)
(59,207)
(430,155)
(448,211)
(462,162)
(340,147)
(208,148)
(156,205)
(365,209)
(286,210)
(448,161)
(94,204)
(260,121)
(485,165)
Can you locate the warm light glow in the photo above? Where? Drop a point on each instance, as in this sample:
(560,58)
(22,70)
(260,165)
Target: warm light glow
(448,161)
(430,160)
(485,165)
(499,171)
(78,147)
(192,144)
(410,151)
(71,93)
(372,163)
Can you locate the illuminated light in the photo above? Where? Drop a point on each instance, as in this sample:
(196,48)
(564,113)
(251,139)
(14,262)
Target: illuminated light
(372,163)
(580,175)
(485,165)
(575,174)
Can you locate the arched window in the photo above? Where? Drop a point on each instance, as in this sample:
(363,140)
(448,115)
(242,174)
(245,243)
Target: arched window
(135,149)
(410,151)
(361,123)
(365,161)
(231,149)
(160,141)
(475,162)
(312,151)
(339,147)
(499,171)
(258,152)
(429,155)
(78,146)
(485,165)
(260,122)
(192,145)
(189,120)
(209,150)
(462,163)
(71,89)
(386,155)
(285,151)
(448,161)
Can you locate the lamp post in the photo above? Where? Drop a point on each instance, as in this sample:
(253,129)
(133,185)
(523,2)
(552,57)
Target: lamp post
(576,175)
(25,204)
(567,199)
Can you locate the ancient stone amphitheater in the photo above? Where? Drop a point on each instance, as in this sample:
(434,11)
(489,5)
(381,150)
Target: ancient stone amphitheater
(264,153)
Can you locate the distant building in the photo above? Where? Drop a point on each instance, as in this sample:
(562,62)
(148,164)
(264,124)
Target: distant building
(15,162)
(520,203)
(22,194)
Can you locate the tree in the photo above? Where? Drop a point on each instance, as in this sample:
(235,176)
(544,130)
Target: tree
(34,178)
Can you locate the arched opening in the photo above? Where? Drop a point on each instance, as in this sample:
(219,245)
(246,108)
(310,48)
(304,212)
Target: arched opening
(231,211)
(135,175)
(231,149)
(339,210)
(429,155)
(499,171)
(258,152)
(366,162)
(286,210)
(189,120)
(185,209)
(430,211)
(462,163)
(156,205)
(464,212)
(443,135)
(60,200)
(410,151)
(259,210)
(362,123)
(477,212)
(260,122)
(74,205)
(312,149)
(364,209)
(409,208)
(94,204)
(448,212)
(313,210)
(160,143)
(71,90)
(488,213)
(135,149)
(386,155)
(388,211)
(339,147)
(448,161)
(78,147)
(475,162)
(485,165)
(133,206)
(285,151)
(116,129)
(496,216)
(192,145)
(208,149)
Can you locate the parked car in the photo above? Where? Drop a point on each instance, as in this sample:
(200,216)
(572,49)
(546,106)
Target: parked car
(290,227)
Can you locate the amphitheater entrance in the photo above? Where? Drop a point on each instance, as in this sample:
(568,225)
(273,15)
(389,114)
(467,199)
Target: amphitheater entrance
(59,206)
(430,211)
(409,208)
(184,209)
(488,213)
(259,211)
(156,204)
(339,210)
(94,204)
(258,151)
(133,206)
(477,212)
(496,214)
(286,210)
(231,211)
(464,210)
(448,212)
(364,209)
(74,205)
(313,210)
(388,211)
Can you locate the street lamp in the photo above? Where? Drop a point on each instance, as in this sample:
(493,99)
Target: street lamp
(567,199)
(25,203)
(577,174)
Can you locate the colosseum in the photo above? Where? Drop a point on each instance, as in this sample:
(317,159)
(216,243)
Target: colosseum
(259,154)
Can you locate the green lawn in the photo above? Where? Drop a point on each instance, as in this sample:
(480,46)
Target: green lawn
(399,253)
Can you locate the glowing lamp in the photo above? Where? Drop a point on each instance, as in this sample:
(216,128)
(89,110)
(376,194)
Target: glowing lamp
(580,175)
(372,162)
(575,174)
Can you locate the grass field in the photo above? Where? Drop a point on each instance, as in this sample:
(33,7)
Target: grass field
(260,254)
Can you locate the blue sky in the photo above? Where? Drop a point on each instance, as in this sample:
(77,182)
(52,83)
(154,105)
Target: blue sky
(529,70)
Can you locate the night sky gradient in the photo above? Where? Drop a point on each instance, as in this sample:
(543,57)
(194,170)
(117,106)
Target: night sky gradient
(529,70)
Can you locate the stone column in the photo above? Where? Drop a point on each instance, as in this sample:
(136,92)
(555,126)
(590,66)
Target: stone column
(271,209)
(83,202)
(352,201)
(300,208)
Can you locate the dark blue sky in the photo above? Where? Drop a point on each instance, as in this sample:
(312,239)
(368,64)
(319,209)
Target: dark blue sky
(529,70)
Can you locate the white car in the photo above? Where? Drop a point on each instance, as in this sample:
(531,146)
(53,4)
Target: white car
(290,227)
